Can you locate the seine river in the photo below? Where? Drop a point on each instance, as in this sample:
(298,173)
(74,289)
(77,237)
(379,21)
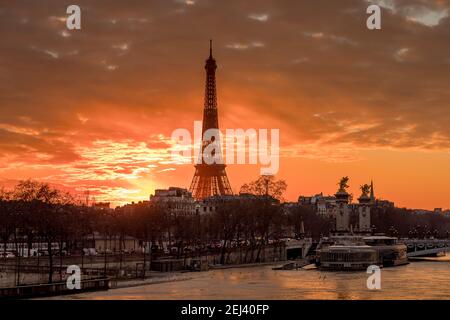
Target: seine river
(418,280)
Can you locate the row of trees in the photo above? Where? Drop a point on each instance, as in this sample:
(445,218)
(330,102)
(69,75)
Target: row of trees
(402,222)
(36,212)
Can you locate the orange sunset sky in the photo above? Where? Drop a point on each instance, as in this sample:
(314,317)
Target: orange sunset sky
(95,108)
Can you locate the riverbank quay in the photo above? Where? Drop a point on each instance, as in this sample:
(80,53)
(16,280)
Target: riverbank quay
(52,289)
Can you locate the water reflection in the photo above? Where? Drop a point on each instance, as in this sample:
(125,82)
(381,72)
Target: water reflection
(418,280)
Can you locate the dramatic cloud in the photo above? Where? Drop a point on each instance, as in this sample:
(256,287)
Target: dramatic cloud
(93,108)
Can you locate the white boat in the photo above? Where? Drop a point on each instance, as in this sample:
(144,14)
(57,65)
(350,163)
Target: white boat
(373,250)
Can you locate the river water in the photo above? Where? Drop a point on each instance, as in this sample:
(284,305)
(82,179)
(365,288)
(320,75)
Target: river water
(418,280)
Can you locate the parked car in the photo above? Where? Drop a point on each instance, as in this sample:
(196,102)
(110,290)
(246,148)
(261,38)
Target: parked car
(43,253)
(63,253)
(89,252)
(7,254)
(107,251)
(127,251)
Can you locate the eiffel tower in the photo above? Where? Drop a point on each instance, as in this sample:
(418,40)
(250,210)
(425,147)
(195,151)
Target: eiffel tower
(210,179)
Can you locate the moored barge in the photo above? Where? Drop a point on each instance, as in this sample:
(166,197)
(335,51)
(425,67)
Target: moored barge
(373,250)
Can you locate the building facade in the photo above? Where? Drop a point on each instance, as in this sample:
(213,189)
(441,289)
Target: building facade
(178,201)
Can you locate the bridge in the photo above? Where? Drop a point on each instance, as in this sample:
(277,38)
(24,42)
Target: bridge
(425,247)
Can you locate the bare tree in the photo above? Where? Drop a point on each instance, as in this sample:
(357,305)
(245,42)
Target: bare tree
(266,186)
